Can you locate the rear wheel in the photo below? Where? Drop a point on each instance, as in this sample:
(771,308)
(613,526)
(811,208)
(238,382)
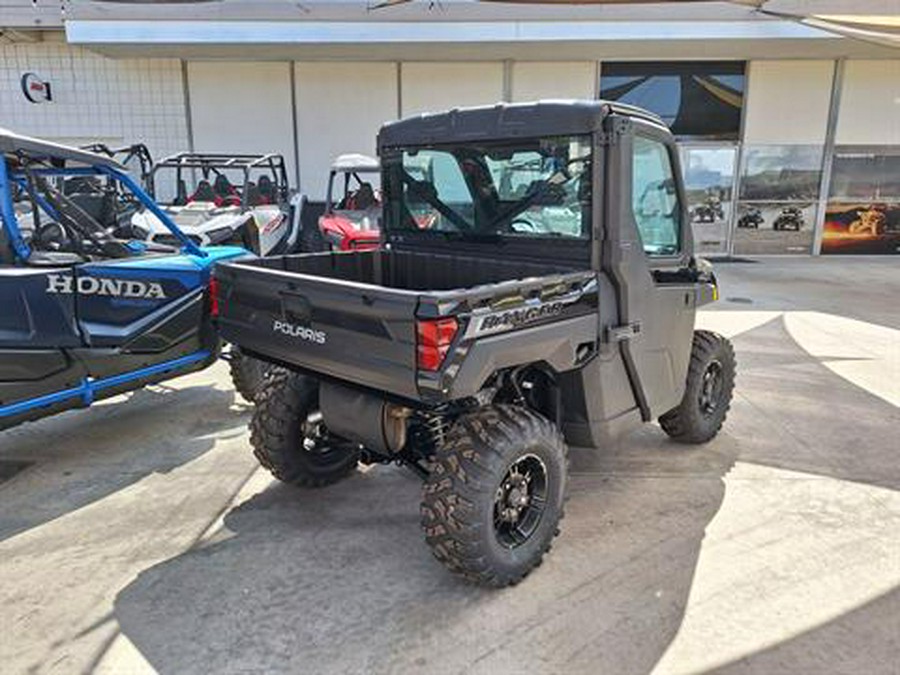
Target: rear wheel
(707,396)
(493,501)
(247,373)
(289,437)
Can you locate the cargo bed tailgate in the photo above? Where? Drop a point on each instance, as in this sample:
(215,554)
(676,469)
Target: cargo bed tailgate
(356,332)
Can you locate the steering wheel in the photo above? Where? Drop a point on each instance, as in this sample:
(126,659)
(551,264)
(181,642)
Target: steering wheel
(522,225)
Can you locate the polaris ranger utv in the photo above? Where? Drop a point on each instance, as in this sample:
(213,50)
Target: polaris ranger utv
(555,306)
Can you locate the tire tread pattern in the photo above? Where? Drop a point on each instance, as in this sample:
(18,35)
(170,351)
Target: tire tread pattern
(283,401)
(247,374)
(684,424)
(464,474)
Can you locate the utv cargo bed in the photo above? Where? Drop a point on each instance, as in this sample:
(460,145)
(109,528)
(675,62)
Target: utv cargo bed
(352,316)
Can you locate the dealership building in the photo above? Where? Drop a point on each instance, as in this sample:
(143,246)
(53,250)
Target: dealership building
(789,124)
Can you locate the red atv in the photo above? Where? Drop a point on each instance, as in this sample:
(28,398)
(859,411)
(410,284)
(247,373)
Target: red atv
(351,222)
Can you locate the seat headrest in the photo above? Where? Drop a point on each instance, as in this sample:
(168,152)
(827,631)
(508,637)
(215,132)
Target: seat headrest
(223,186)
(203,193)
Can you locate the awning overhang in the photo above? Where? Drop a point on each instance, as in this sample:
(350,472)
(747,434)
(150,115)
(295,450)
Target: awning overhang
(463,40)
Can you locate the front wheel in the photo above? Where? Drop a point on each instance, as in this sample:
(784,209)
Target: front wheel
(492,503)
(707,395)
(289,437)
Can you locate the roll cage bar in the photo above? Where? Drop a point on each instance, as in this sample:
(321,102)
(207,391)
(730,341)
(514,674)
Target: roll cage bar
(18,166)
(127,153)
(350,166)
(215,163)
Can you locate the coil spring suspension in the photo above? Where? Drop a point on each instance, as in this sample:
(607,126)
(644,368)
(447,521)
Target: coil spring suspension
(429,429)
(436,427)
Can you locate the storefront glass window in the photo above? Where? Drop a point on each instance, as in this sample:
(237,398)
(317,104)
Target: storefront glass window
(781,172)
(863,213)
(696,99)
(778,193)
(708,178)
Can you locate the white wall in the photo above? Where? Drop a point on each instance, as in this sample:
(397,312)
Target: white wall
(340,107)
(94,98)
(242,107)
(787,102)
(870,104)
(532,80)
(439,86)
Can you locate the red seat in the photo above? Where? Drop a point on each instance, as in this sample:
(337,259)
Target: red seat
(203,193)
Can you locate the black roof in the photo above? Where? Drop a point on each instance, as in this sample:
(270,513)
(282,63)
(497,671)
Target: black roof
(12,143)
(506,120)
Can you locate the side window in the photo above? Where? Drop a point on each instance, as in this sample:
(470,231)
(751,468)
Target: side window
(654,198)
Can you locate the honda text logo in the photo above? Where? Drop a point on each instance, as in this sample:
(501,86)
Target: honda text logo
(35,89)
(117,288)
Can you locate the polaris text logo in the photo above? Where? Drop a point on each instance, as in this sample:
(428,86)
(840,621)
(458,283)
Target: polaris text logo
(116,288)
(514,318)
(302,332)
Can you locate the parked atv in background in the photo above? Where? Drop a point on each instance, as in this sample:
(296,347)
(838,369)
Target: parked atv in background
(708,211)
(752,218)
(352,208)
(256,212)
(88,311)
(474,345)
(790,218)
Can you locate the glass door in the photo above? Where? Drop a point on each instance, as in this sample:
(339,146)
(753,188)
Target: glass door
(709,173)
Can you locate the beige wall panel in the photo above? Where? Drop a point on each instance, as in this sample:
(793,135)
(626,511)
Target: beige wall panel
(870,104)
(532,80)
(242,107)
(340,107)
(787,101)
(434,87)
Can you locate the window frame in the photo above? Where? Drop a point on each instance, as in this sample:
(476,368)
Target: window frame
(395,153)
(716,68)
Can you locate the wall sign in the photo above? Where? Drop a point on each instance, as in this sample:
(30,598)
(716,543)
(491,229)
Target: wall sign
(35,89)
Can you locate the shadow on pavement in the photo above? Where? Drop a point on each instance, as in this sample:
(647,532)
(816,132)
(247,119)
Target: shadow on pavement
(340,580)
(874,628)
(82,456)
(792,412)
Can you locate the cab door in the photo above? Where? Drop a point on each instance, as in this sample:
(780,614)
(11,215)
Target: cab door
(647,250)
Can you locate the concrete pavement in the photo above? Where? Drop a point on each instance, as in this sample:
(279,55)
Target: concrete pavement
(143,538)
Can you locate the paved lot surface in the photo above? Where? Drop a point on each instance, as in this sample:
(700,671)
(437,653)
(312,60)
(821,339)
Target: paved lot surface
(141,536)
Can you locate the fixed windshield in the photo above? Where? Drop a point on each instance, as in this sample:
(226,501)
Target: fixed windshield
(522,188)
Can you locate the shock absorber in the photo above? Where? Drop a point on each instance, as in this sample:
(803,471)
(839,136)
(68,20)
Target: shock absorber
(428,431)
(436,427)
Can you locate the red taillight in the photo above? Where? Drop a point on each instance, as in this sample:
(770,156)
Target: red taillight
(434,337)
(213,297)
